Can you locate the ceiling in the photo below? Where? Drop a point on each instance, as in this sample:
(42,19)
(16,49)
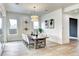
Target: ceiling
(73,12)
(40,8)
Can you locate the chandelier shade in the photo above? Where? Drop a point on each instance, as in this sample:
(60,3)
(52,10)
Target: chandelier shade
(34,18)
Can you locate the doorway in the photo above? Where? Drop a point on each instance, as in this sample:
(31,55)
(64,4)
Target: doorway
(73,28)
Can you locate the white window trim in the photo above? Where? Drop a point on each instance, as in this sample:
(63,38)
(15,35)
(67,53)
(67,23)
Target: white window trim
(2,27)
(13,34)
(34,27)
(16,29)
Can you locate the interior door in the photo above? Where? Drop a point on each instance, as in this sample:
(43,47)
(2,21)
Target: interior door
(73,27)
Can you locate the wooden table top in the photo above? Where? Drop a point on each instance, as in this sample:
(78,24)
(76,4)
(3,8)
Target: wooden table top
(34,37)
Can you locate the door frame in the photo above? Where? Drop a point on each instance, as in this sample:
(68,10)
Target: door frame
(69,28)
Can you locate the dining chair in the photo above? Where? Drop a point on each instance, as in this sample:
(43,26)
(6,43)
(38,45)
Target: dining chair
(28,40)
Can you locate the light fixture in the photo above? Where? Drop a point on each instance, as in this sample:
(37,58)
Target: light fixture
(34,17)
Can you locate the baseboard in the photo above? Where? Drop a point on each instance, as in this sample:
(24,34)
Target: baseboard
(14,40)
(73,37)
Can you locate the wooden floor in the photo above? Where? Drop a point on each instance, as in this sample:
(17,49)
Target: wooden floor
(52,49)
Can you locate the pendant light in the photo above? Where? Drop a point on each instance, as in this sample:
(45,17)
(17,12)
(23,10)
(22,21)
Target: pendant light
(34,17)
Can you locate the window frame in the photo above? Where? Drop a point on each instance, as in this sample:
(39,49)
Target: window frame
(34,24)
(9,27)
(1,26)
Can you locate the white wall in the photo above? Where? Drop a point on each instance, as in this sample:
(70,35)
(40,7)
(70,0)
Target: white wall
(28,25)
(3,36)
(56,33)
(65,28)
(77,16)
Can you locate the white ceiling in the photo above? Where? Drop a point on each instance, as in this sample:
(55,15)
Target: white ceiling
(73,10)
(41,8)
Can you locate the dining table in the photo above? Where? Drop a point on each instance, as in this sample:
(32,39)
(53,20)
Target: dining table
(40,42)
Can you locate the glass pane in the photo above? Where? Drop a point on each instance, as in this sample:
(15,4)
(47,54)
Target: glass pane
(12,31)
(13,26)
(36,25)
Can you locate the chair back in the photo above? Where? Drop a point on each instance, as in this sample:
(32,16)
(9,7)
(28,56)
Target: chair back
(25,37)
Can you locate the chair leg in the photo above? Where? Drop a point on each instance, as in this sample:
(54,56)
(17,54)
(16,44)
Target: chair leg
(28,45)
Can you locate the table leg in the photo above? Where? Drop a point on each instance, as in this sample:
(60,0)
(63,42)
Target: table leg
(35,44)
(44,42)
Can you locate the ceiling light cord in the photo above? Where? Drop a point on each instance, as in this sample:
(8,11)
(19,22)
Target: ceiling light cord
(35,16)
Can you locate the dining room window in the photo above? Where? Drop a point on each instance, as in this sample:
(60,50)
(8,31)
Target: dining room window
(12,26)
(36,25)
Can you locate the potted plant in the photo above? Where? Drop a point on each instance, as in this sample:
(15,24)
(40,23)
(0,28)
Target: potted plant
(40,30)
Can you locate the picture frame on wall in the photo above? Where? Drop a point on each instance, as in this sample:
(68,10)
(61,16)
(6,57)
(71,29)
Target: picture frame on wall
(51,23)
(46,24)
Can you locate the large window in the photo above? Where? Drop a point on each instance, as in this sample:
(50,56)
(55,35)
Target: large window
(36,25)
(0,25)
(12,26)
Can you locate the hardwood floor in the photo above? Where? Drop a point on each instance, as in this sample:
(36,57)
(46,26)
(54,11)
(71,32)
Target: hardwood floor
(52,49)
